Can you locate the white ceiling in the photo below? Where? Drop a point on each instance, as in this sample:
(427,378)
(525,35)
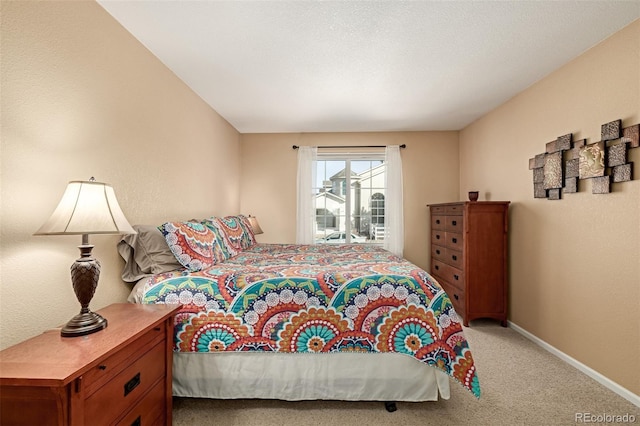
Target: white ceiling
(328,66)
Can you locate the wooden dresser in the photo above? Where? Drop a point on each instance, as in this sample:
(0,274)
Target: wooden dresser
(119,375)
(469,257)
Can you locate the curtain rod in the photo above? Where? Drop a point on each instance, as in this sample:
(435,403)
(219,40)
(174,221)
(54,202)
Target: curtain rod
(352,146)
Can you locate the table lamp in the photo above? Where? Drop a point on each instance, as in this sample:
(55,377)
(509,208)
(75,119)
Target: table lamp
(86,207)
(255,226)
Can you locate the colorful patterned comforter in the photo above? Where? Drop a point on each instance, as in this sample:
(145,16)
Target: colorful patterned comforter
(317,298)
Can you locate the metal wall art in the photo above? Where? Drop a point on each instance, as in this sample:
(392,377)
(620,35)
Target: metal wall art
(565,162)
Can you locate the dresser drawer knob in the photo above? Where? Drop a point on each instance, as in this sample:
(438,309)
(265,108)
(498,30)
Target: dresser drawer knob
(455,296)
(102,367)
(437,221)
(437,268)
(454,223)
(455,240)
(437,236)
(137,421)
(456,277)
(437,251)
(454,257)
(131,384)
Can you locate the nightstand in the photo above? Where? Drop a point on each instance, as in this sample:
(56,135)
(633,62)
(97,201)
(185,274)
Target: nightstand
(119,375)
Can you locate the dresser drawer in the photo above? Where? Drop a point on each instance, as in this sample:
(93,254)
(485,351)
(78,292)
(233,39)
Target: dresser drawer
(438,222)
(456,296)
(109,368)
(438,210)
(438,252)
(455,209)
(453,240)
(457,300)
(454,224)
(108,402)
(148,412)
(453,258)
(438,237)
(450,274)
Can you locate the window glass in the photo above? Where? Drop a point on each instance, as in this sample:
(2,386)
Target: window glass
(349,196)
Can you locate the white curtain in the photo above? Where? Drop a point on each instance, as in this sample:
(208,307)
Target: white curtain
(306,211)
(393,211)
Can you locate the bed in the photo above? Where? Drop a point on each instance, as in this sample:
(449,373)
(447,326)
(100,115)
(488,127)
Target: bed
(297,322)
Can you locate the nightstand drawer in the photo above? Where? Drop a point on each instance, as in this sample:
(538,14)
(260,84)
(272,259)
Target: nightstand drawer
(147,412)
(109,368)
(125,388)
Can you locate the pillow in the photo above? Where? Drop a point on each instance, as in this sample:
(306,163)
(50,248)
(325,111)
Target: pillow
(227,250)
(193,244)
(248,237)
(234,233)
(146,253)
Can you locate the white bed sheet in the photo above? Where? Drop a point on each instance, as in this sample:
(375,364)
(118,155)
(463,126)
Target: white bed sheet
(294,377)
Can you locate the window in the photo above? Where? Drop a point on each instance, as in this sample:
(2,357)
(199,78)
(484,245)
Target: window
(349,196)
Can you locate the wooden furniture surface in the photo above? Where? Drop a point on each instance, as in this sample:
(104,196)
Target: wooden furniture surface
(119,375)
(469,256)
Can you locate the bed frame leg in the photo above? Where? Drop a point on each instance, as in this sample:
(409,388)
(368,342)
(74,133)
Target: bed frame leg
(390,406)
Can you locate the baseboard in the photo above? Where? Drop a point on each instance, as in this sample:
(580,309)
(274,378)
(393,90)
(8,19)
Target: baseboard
(606,382)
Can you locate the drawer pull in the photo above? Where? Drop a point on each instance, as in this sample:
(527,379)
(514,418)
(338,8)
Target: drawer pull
(454,257)
(455,240)
(157,328)
(437,221)
(437,268)
(437,236)
(456,277)
(454,223)
(131,384)
(137,422)
(102,367)
(455,296)
(437,251)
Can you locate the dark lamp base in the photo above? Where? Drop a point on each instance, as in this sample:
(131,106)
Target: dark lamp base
(84,323)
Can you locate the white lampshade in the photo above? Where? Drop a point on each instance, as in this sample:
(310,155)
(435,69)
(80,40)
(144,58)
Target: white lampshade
(255,225)
(87,207)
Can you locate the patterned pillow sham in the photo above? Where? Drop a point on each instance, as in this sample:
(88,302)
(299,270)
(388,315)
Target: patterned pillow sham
(226,250)
(193,244)
(248,237)
(234,233)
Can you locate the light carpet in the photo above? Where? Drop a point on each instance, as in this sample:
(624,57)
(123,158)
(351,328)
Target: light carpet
(522,384)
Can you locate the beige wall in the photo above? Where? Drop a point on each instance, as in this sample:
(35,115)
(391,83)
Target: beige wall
(269,168)
(80,98)
(574,266)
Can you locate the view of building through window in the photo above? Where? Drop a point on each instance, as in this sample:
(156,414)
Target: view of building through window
(349,199)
